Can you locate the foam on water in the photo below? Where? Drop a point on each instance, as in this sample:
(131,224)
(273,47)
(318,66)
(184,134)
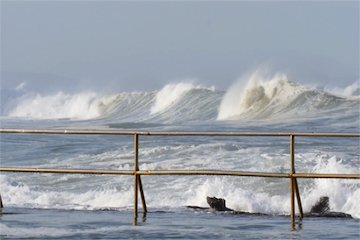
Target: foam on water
(342,193)
(60,105)
(170,94)
(242,194)
(352,90)
(267,97)
(254,97)
(256,103)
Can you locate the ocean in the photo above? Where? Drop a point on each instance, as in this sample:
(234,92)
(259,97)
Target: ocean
(64,206)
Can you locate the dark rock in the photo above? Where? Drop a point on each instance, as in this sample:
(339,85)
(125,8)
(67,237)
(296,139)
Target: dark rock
(328,215)
(321,206)
(320,209)
(197,207)
(218,204)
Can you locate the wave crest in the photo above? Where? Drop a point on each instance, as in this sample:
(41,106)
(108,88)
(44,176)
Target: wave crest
(170,94)
(268,97)
(61,105)
(260,98)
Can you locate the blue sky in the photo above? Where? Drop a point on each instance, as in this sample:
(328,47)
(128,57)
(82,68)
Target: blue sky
(142,45)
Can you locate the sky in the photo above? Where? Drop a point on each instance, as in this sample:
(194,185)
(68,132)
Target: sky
(143,45)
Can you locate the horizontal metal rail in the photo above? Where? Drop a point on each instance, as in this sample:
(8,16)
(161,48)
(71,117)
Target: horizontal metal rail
(136,172)
(179,172)
(67,171)
(154,133)
(145,172)
(213,172)
(326,175)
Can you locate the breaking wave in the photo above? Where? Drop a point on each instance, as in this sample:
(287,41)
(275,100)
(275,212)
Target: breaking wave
(251,195)
(170,94)
(61,105)
(174,102)
(266,97)
(251,98)
(352,90)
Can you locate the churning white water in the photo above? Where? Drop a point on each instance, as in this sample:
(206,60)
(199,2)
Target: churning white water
(262,103)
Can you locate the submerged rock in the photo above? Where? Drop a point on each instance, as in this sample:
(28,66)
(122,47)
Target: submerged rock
(321,206)
(320,209)
(217,204)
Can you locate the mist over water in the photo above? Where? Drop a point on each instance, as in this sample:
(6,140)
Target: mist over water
(256,102)
(252,97)
(173,66)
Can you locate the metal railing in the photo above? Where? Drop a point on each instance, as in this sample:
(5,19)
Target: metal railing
(292,175)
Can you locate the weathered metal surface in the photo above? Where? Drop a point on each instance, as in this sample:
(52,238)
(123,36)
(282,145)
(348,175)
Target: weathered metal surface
(67,171)
(154,133)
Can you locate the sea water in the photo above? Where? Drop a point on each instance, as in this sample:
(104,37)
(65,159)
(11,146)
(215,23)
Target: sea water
(89,206)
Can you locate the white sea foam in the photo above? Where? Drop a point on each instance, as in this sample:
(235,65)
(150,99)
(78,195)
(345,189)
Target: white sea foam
(264,97)
(60,105)
(242,194)
(21,195)
(193,108)
(342,193)
(255,97)
(352,90)
(170,94)
(126,106)
(259,94)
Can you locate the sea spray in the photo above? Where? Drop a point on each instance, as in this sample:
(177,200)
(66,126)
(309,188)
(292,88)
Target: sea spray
(242,194)
(276,97)
(257,95)
(172,93)
(342,193)
(86,105)
(353,90)
(252,98)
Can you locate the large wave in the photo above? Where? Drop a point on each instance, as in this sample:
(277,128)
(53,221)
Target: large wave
(257,97)
(264,97)
(170,94)
(60,105)
(173,103)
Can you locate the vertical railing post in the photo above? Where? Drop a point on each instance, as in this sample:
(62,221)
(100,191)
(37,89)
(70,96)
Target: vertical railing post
(295,186)
(1,203)
(301,214)
(142,195)
(137,181)
(136,167)
(292,171)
